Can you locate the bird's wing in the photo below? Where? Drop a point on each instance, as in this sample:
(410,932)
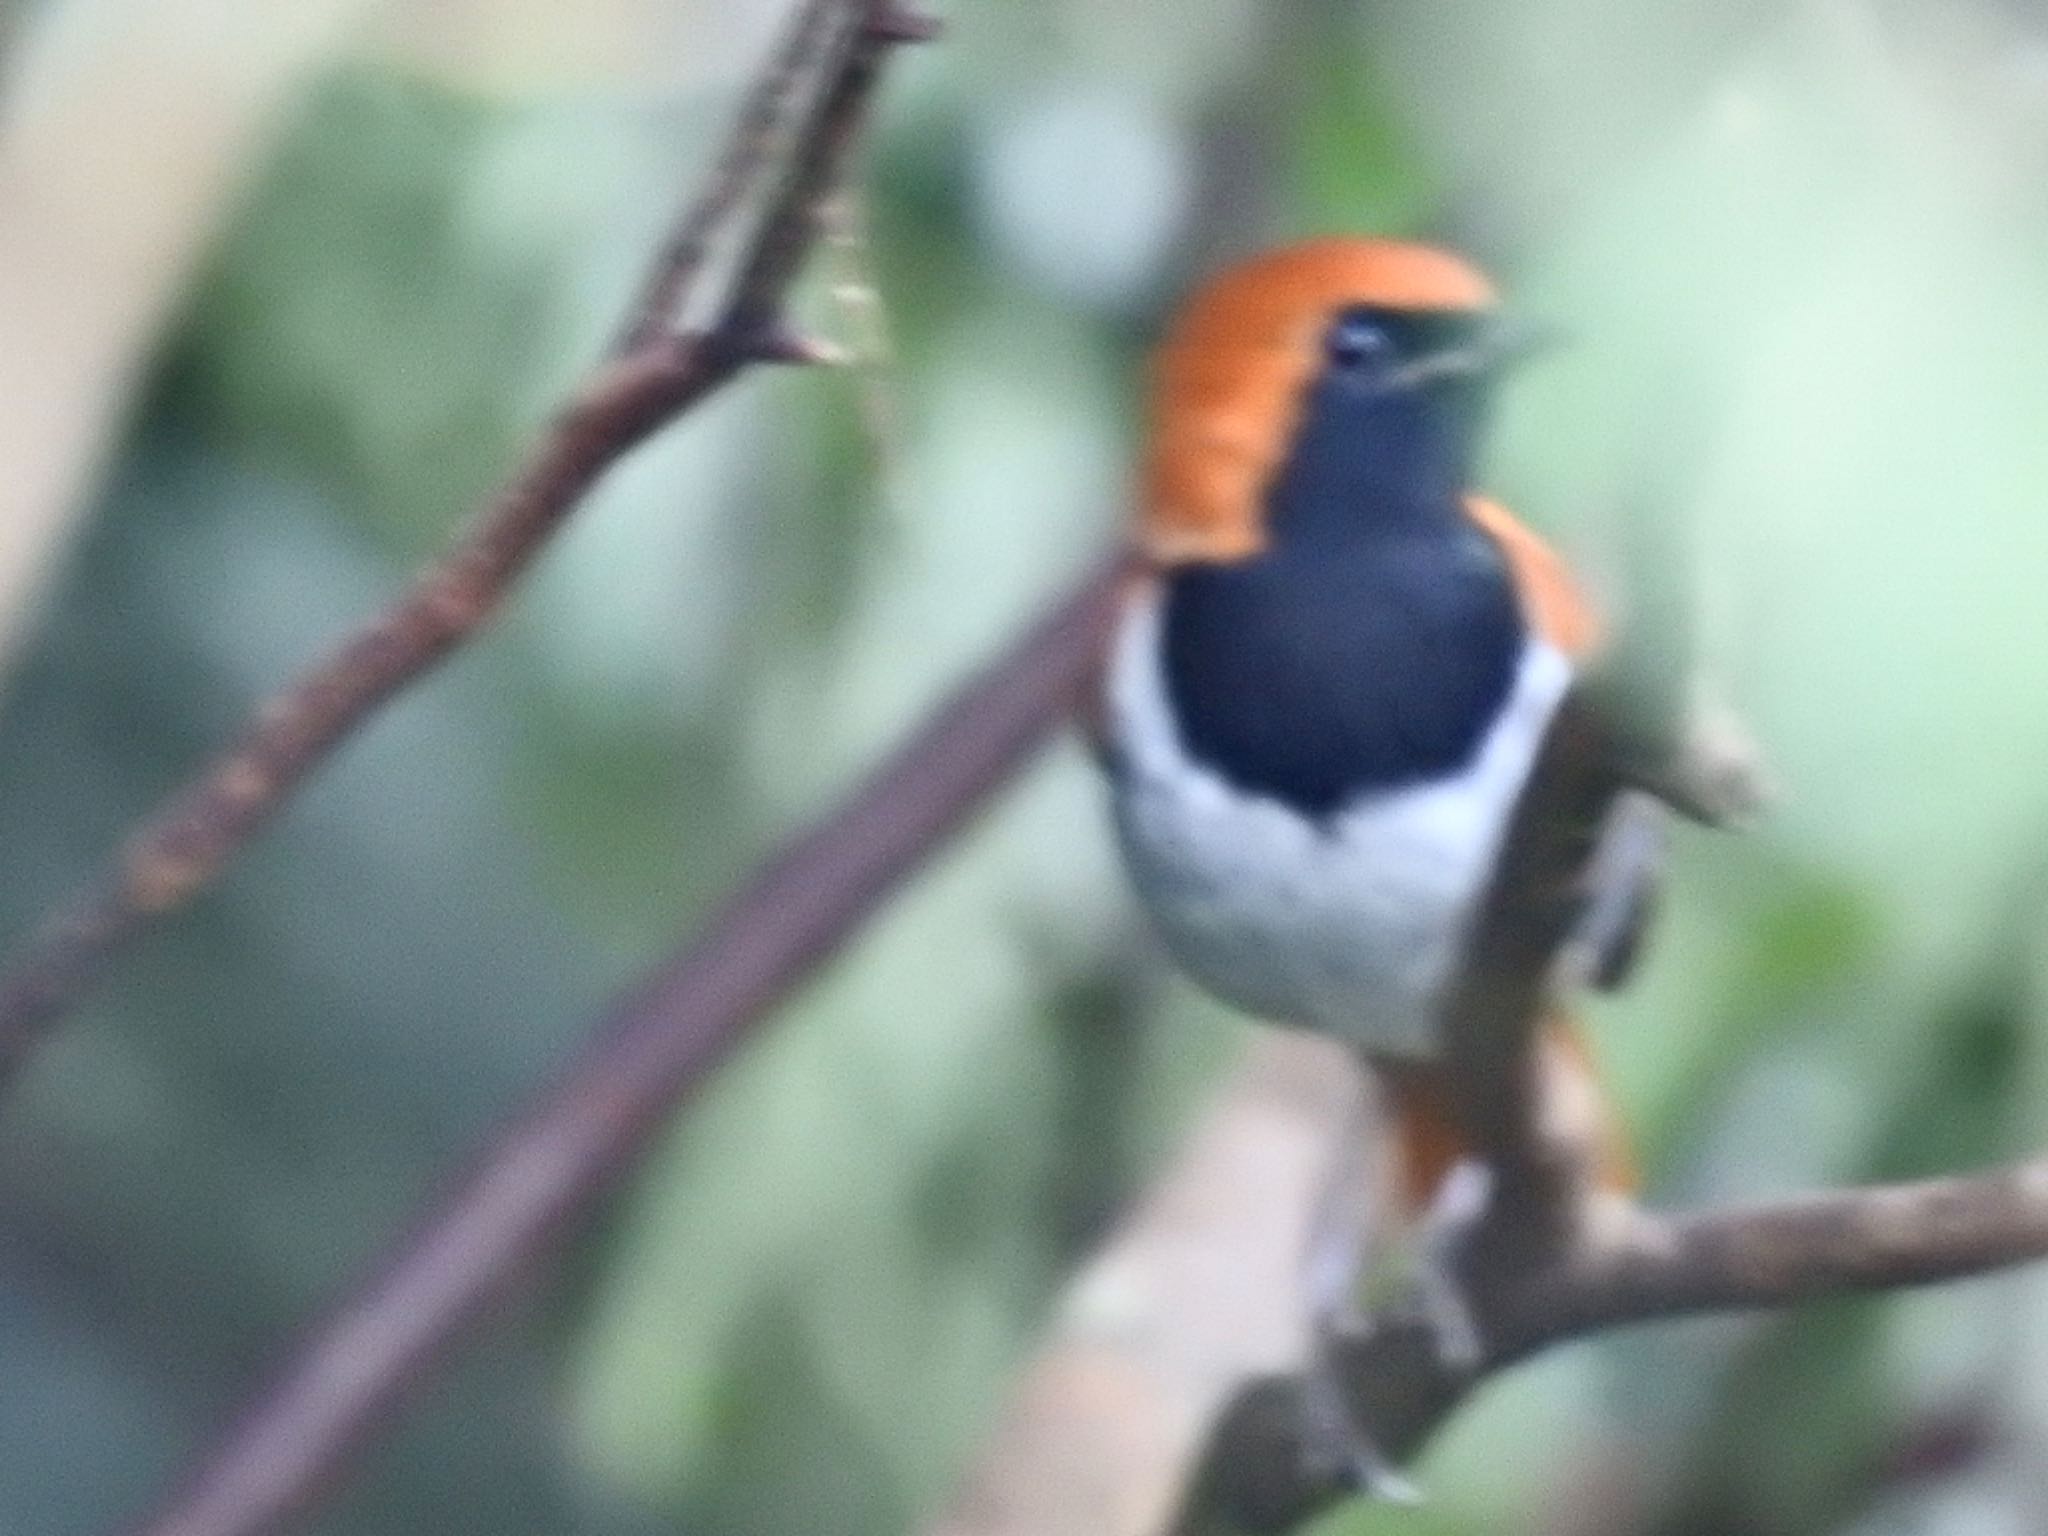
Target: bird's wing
(1555,606)
(1704,766)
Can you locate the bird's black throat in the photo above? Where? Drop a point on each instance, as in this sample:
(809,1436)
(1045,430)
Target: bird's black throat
(1375,640)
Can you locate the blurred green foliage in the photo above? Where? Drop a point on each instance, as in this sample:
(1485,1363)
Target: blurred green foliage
(1805,252)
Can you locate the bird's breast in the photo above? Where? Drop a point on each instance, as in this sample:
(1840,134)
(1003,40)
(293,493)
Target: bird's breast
(1347,915)
(1328,669)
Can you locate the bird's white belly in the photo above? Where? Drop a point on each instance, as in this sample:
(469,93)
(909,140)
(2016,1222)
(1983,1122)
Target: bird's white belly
(1351,924)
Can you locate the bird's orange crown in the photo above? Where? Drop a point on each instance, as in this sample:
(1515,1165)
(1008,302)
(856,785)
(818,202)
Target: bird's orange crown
(1236,366)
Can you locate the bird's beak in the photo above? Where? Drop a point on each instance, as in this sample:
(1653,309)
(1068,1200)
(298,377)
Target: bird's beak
(1511,342)
(1505,344)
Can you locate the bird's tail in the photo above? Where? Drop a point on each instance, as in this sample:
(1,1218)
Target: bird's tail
(1576,1107)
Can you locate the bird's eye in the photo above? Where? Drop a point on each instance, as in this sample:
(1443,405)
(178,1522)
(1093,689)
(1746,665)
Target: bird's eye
(1358,342)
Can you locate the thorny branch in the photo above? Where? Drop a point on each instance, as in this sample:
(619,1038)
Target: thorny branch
(710,307)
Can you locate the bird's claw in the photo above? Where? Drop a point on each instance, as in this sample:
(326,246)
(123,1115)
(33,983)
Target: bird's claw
(1446,1311)
(1334,1445)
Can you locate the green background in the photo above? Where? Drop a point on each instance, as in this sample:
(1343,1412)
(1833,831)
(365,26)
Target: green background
(1804,251)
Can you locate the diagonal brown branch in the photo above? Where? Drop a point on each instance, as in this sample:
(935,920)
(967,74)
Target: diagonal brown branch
(661,1041)
(710,307)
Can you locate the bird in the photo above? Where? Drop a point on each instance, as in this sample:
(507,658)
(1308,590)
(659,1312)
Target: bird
(1329,678)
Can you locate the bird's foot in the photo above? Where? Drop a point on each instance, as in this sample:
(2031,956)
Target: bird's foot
(1335,1446)
(1428,1290)
(1436,1283)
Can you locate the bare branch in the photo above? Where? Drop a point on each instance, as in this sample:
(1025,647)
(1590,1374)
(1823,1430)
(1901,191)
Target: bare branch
(1644,1267)
(767,106)
(1510,974)
(1880,1238)
(688,336)
(1553,1258)
(660,1042)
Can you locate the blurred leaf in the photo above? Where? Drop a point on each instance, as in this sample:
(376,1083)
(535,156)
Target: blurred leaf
(1355,165)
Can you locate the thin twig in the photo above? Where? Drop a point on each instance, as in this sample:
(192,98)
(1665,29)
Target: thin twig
(664,1039)
(788,148)
(754,136)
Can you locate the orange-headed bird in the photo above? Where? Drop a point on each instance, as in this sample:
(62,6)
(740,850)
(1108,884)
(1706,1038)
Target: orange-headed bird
(1328,691)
